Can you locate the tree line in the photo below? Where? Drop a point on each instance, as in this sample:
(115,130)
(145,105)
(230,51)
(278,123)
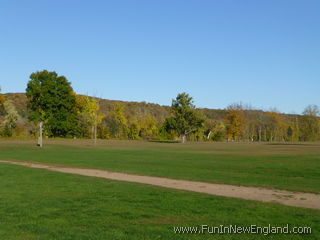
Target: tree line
(52,101)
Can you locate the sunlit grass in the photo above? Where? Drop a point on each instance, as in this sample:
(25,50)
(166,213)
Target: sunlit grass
(284,166)
(39,204)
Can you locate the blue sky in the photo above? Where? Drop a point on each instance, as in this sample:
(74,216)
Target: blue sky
(263,53)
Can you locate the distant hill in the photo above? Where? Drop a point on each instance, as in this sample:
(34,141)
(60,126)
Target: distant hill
(286,126)
(136,110)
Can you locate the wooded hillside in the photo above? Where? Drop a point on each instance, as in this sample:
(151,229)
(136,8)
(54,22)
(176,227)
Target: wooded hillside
(147,120)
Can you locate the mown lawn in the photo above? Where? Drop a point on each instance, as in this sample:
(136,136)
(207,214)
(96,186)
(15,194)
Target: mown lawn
(283,166)
(39,204)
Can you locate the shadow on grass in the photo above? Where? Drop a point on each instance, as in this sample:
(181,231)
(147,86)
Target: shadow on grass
(164,141)
(294,144)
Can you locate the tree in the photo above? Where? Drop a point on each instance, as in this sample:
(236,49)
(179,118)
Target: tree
(1,98)
(275,127)
(133,130)
(311,110)
(184,120)
(83,122)
(235,121)
(167,130)
(294,136)
(117,123)
(148,128)
(214,130)
(11,117)
(89,113)
(209,125)
(310,124)
(51,99)
(261,122)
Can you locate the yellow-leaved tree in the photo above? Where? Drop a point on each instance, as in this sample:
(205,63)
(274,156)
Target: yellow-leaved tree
(235,122)
(89,113)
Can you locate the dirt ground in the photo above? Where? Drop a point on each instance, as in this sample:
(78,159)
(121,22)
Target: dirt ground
(306,200)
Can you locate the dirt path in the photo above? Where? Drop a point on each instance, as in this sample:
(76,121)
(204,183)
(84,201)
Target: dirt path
(307,200)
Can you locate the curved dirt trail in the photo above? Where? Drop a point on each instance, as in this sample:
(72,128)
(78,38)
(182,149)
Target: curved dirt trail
(306,200)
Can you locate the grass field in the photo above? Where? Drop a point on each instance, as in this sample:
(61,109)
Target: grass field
(39,204)
(293,167)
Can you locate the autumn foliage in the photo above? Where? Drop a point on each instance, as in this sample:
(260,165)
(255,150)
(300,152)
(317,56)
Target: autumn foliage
(51,99)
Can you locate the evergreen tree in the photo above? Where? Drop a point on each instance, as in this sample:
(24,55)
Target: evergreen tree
(185,119)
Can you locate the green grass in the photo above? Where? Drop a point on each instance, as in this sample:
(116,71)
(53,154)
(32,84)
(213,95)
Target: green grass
(39,204)
(291,167)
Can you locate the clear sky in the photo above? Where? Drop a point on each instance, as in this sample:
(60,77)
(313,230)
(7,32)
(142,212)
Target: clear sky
(263,53)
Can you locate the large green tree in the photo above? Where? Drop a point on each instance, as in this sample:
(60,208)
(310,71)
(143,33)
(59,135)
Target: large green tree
(185,119)
(52,100)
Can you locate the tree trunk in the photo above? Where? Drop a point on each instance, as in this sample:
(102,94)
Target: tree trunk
(183,137)
(40,134)
(208,136)
(260,130)
(95,134)
(92,131)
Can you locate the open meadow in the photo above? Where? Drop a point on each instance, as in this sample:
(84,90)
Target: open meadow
(39,204)
(294,167)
